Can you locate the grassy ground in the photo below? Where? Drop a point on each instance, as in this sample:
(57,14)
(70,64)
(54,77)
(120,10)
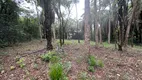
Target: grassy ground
(126,65)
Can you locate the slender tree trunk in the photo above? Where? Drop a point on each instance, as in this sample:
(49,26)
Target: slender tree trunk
(91,32)
(60,34)
(130,21)
(109,30)
(87,26)
(100,30)
(77,21)
(64,34)
(109,26)
(54,33)
(140,38)
(100,34)
(61,25)
(96,23)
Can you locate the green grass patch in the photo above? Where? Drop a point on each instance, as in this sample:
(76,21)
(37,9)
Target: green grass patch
(107,45)
(56,72)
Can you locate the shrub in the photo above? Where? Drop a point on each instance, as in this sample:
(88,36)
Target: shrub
(56,72)
(46,57)
(100,63)
(91,69)
(92,61)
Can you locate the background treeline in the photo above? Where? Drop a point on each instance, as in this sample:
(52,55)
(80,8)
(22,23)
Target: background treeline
(15,28)
(112,21)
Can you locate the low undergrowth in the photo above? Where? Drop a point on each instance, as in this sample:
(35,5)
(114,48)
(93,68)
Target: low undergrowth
(94,63)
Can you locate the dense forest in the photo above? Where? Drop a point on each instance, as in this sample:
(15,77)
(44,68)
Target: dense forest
(61,44)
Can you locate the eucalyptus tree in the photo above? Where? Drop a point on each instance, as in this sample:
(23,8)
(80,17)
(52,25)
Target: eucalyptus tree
(87,25)
(49,20)
(96,23)
(134,12)
(63,19)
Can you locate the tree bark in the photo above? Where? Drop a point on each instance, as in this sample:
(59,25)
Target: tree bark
(87,26)
(100,30)
(49,19)
(121,25)
(130,22)
(109,30)
(100,34)
(96,23)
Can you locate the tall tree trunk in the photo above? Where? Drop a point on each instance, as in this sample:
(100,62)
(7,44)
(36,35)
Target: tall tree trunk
(100,30)
(49,19)
(63,34)
(96,23)
(120,18)
(60,34)
(91,32)
(61,24)
(54,33)
(130,22)
(109,30)
(100,34)
(87,25)
(140,38)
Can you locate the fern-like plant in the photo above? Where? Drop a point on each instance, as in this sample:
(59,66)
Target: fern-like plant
(92,60)
(56,72)
(46,57)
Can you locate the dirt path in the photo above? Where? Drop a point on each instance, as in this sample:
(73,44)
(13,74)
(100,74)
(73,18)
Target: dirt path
(117,65)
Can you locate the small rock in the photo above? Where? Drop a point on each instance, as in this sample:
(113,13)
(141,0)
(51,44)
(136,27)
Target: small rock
(2,72)
(118,74)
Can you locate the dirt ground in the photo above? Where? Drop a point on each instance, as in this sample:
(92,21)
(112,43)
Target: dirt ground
(126,65)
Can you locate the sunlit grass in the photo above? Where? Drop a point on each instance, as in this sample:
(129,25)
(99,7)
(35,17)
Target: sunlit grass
(68,42)
(107,45)
(92,43)
(137,47)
